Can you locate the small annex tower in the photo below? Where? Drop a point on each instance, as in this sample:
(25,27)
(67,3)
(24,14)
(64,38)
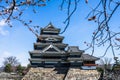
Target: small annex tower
(50,51)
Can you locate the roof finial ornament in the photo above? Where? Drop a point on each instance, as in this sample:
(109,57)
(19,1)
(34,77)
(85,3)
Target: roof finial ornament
(49,25)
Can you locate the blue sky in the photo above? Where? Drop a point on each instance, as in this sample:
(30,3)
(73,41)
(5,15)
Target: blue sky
(18,40)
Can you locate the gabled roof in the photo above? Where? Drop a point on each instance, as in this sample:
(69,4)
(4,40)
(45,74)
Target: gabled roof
(50,26)
(74,49)
(51,46)
(40,52)
(50,29)
(55,44)
(88,57)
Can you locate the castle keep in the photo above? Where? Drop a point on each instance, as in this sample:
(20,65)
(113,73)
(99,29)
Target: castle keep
(52,59)
(50,51)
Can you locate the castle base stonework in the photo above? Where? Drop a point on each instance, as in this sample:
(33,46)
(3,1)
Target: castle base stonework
(43,74)
(40,73)
(78,74)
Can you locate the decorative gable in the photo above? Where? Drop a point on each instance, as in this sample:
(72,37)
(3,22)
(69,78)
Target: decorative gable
(51,48)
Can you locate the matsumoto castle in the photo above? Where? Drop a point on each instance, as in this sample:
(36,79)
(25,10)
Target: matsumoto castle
(50,51)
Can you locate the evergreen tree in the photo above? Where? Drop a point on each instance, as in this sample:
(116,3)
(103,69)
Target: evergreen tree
(8,68)
(19,69)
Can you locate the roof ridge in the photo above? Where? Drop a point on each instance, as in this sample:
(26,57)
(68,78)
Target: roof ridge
(50,25)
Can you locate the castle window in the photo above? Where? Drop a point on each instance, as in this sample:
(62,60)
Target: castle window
(51,39)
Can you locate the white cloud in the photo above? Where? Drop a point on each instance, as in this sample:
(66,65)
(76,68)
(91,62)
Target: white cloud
(2,22)
(23,58)
(4,54)
(3,32)
(2,25)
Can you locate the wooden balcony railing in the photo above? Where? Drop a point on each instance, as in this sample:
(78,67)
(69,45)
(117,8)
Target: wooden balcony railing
(90,64)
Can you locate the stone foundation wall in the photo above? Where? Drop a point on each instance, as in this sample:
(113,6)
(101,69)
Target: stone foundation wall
(52,74)
(9,76)
(78,74)
(43,74)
